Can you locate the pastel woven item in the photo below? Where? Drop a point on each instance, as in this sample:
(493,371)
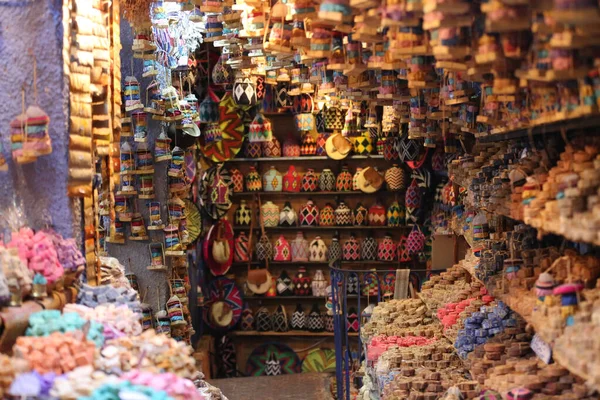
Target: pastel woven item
(117,391)
(80,382)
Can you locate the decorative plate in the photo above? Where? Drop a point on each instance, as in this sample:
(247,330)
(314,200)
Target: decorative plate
(288,359)
(232,130)
(319,360)
(224,293)
(216,268)
(215,210)
(194,220)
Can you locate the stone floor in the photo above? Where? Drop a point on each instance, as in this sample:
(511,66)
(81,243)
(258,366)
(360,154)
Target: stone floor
(284,387)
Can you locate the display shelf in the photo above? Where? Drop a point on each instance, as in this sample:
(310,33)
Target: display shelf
(305,158)
(325,263)
(325,228)
(272,298)
(288,333)
(317,194)
(543,129)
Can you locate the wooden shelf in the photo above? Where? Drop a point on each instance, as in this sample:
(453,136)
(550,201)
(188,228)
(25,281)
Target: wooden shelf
(302,264)
(306,158)
(270,298)
(587,122)
(325,228)
(288,333)
(316,194)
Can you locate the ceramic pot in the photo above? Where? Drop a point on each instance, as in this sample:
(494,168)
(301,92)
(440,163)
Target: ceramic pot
(237,179)
(298,320)
(287,216)
(243,214)
(343,215)
(344,180)
(309,181)
(241,251)
(361,215)
(292,180)
(272,148)
(394,178)
(395,214)
(253,181)
(377,215)
(351,249)
(302,283)
(272,180)
(309,145)
(282,251)
(386,251)
(335,251)
(327,181)
(264,249)
(252,149)
(327,216)
(309,214)
(284,285)
(299,248)
(317,251)
(368,248)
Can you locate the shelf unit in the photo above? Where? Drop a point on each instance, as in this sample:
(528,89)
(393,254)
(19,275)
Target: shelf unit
(288,333)
(544,129)
(306,158)
(325,228)
(281,298)
(325,263)
(317,194)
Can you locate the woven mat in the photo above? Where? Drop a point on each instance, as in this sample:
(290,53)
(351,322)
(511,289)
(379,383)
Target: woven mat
(282,387)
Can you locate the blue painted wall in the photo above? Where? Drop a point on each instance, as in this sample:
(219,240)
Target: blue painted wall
(40,187)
